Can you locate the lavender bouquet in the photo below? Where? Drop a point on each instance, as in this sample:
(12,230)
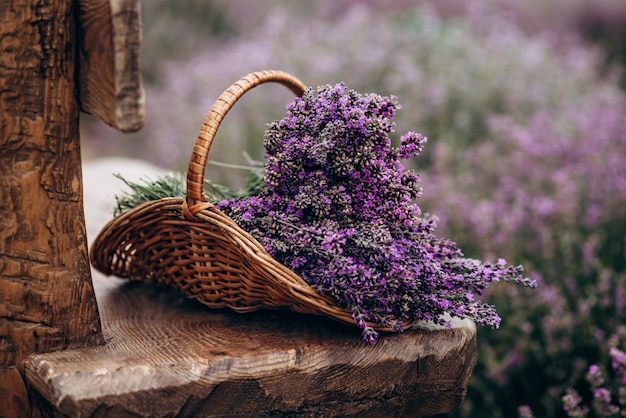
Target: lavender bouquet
(337,207)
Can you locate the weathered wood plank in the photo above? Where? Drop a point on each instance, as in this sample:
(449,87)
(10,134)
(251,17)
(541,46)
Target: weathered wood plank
(168,356)
(46,296)
(110,84)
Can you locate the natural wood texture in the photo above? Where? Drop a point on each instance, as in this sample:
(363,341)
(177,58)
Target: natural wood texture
(47,301)
(46,296)
(169,356)
(109,49)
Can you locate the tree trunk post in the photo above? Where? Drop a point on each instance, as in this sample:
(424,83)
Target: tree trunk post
(47,301)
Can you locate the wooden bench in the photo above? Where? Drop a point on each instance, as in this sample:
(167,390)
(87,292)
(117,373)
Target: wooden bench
(167,356)
(73,344)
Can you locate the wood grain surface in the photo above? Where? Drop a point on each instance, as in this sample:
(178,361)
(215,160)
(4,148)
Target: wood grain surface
(110,83)
(47,301)
(169,356)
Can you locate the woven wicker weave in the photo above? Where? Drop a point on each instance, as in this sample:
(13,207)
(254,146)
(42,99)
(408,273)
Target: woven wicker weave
(188,244)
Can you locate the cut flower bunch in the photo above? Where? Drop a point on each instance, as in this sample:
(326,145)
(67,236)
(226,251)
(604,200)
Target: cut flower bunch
(338,208)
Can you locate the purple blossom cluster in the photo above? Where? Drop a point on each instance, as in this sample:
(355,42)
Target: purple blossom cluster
(605,400)
(339,210)
(551,197)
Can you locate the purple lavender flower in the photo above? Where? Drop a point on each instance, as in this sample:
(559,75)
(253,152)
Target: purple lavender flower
(338,209)
(602,403)
(572,404)
(524,411)
(594,376)
(618,363)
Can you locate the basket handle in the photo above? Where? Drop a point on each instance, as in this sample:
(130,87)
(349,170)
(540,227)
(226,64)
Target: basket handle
(198,160)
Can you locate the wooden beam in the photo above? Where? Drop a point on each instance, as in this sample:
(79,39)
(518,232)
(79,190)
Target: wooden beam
(169,356)
(110,84)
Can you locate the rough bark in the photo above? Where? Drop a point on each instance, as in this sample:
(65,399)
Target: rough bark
(46,295)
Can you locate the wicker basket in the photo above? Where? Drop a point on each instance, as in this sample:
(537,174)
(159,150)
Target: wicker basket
(188,244)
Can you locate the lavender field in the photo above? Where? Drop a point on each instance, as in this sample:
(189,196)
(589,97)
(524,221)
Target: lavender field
(524,107)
